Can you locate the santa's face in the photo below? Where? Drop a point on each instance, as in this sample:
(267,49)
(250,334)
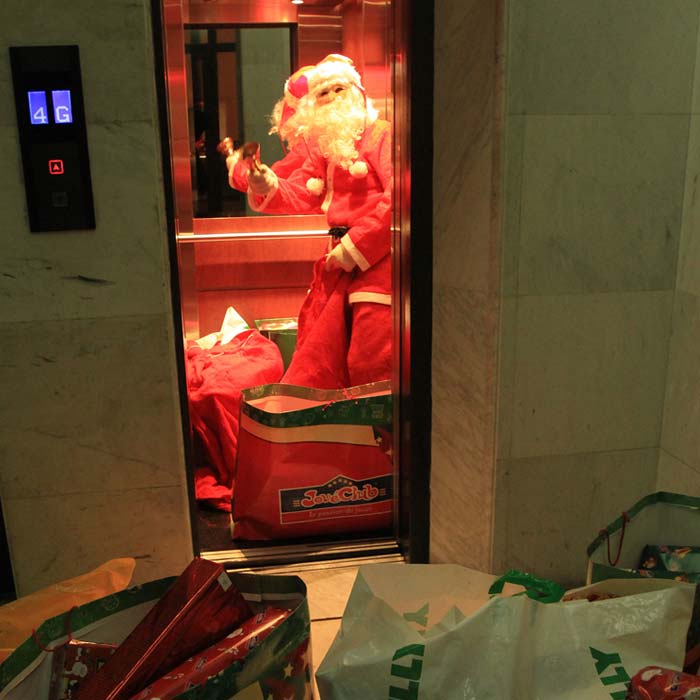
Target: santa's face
(327,95)
(335,121)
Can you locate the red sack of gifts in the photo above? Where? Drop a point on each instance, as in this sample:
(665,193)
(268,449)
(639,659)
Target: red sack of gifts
(313,461)
(201,606)
(215,377)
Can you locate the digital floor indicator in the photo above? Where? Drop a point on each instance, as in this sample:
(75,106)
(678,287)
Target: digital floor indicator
(53,137)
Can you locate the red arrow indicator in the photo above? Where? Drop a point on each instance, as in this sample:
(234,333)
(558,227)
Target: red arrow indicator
(56,167)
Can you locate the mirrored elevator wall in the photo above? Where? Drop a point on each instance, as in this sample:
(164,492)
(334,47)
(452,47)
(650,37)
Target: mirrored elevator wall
(246,267)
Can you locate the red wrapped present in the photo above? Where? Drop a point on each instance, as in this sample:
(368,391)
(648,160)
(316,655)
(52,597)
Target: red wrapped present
(654,683)
(292,679)
(236,646)
(73,663)
(200,607)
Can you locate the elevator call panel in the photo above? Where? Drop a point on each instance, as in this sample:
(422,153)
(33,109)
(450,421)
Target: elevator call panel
(53,137)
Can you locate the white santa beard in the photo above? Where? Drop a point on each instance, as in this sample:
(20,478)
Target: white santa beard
(336,127)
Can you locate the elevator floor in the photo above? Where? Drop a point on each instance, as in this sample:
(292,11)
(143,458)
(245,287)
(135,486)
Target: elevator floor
(215,543)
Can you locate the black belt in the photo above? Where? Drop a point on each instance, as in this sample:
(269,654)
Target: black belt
(338,231)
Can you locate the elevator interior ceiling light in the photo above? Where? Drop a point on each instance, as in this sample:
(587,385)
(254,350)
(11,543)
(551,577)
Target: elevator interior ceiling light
(297,2)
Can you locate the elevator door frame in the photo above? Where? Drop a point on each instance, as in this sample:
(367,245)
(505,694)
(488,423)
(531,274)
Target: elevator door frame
(412,261)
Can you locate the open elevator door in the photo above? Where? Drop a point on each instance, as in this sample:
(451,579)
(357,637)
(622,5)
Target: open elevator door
(225,64)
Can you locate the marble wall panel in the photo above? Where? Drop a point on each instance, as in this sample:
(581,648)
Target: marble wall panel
(464,142)
(95,408)
(464,281)
(695,104)
(463,427)
(590,372)
(511,202)
(689,256)
(64,535)
(554,506)
(507,363)
(681,437)
(602,57)
(116,52)
(90,435)
(119,269)
(676,476)
(601,203)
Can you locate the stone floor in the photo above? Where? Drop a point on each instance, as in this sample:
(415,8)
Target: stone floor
(328,591)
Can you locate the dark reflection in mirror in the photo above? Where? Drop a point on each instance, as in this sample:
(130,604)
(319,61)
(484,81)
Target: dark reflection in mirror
(234,76)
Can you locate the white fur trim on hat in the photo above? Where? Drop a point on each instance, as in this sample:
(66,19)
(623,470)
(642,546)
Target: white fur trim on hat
(335,69)
(359,169)
(315,185)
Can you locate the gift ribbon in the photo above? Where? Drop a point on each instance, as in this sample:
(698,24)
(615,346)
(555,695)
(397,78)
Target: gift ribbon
(606,535)
(69,632)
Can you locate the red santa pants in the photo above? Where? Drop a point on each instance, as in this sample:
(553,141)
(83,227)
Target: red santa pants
(340,345)
(369,354)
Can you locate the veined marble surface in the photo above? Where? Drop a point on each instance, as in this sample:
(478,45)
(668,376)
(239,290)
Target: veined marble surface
(61,536)
(598,57)
(464,236)
(119,269)
(589,372)
(95,407)
(116,53)
(689,256)
(465,296)
(601,203)
(677,476)
(461,485)
(681,437)
(554,506)
(90,436)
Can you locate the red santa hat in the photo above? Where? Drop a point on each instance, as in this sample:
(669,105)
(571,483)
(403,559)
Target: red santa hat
(334,69)
(296,87)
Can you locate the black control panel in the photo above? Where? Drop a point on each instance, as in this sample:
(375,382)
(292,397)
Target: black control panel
(53,137)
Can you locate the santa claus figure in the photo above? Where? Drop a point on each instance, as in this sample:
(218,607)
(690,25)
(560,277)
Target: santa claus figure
(345,324)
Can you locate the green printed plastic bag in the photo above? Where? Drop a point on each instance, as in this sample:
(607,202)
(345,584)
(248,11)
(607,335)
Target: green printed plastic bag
(26,673)
(422,632)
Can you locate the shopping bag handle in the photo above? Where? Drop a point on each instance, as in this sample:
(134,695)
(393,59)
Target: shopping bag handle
(69,632)
(540,589)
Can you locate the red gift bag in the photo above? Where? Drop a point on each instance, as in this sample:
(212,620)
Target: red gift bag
(313,461)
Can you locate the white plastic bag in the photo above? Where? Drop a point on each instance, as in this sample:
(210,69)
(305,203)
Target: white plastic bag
(419,632)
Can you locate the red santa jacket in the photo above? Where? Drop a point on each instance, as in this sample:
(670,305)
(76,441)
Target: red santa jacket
(362,203)
(238,174)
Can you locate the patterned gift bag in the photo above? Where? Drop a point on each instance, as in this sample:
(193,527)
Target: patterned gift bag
(280,663)
(657,537)
(313,461)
